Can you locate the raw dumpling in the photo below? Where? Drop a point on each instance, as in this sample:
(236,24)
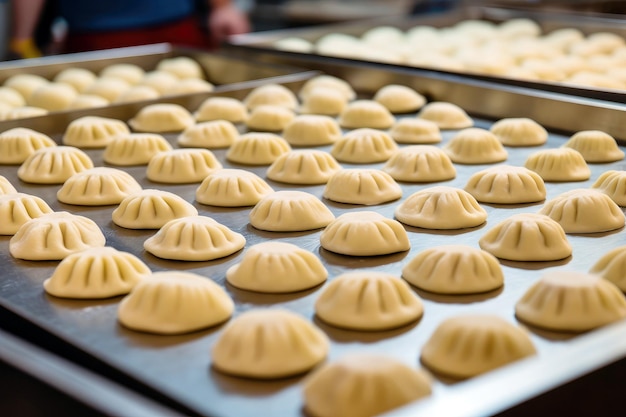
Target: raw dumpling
(272,94)
(475,146)
(22,113)
(366,114)
(25,84)
(19,143)
(99,186)
(182,166)
(151,209)
(561,164)
(445,115)
(158,118)
(324,101)
(232,188)
(11,97)
(519,132)
(88,101)
(215,134)
(362,186)
(52,97)
(418,131)
(399,98)
(612,266)
(327,81)
(306,167)
(294,44)
(54,236)
(368,301)
(506,184)
(269,118)
(364,233)
(277,267)
(6,187)
(96,273)
(364,146)
(53,165)
(221,108)
(93,132)
(135,149)
(182,67)
(161,81)
(18,208)
(130,73)
(257,149)
(312,130)
(595,146)
(109,88)
(420,163)
(613,184)
(138,93)
(189,86)
(78,78)
(441,208)
(290,211)
(194,238)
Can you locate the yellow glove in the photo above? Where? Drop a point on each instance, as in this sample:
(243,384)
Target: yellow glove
(25,48)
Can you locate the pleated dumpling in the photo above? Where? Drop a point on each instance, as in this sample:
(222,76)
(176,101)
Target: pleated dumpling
(399,98)
(213,134)
(53,165)
(290,211)
(584,211)
(130,73)
(324,101)
(441,208)
(52,96)
(19,143)
(99,186)
(506,184)
(454,269)
(527,237)
(162,117)
(445,115)
(364,146)
(257,148)
(79,78)
(327,81)
(277,267)
(368,301)
(175,302)
(189,86)
(100,272)
(613,184)
(151,209)
(93,132)
(109,88)
(469,345)
(362,186)
(54,236)
(182,166)
(135,149)
(194,238)
(561,164)
(269,344)
(519,131)
(161,81)
(269,118)
(475,146)
(595,146)
(232,188)
(612,266)
(416,131)
(221,108)
(571,301)
(364,233)
(366,114)
(138,93)
(182,67)
(312,130)
(420,163)
(22,113)
(18,208)
(330,391)
(6,187)
(271,94)
(306,167)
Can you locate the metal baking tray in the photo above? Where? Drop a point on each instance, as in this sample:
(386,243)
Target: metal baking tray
(179,368)
(260,44)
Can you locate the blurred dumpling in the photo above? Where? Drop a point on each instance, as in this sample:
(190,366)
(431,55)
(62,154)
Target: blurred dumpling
(272,94)
(182,166)
(88,101)
(294,44)
(99,186)
(506,184)
(269,118)
(613,184)
(221,108)
(327,81)
(416,131)
(93,132)
(109,88)
(595,146)
(19,143)
(445,115)
(53,165)
(561,164)
(257,148)
(11,97)
(214,134)
(189,86)
(52,97)
(151,209)
(612,266)
(138,93)
(78,78)
(519,131)
(306,166)
(366,114)
(420,163)
(6,187)
(130,73)
(312,130)
(475,146)
(25,84)
(364,146)
(18,208)
(22,113)
(232,188)
(182,67)
(362,186)
(290,211)
(399,98)
(135,149)
(160,81)
(158,118)
(324,101)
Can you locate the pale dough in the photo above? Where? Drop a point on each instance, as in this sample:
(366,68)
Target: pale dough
(93,132)
(364,146)
(306,167)
(362,186)
(99,186)
(399,98)
(182,166)
(135,149)
(151,209)
(312,130)
(519,131)
(18,208)
(366,114)
(595,146)
(416,131)
(19,143)
(221,108)
(475,146)
(506,184)
(213,134)
(290,211)
(445,115)
(159,118)
(420,163)
(232,188)
(53,165)
(257,149)
(561,164)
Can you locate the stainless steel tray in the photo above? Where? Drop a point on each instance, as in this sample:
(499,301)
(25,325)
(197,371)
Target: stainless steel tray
(179,368)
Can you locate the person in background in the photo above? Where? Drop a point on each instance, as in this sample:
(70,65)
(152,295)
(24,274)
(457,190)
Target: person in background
(94,25)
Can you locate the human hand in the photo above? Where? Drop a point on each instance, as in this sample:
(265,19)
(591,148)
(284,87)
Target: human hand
(227,20)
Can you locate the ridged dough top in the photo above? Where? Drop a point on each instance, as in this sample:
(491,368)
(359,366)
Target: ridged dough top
(364,146)
(506,184)
(221,108)
(445,115)
(362,186)
(135,149)
(6,187)
(108,88)
(366,114)
(163,117)
(417,131)
(290,211)
(161,81)
(612,266)
(269,118)
(312,130)
(399,98)
(475,146)
(306,166)
(22,113)
(130,73)
(257,148)
(182,166)
(561,164)
(99,186)
(53,165)
(93,132)
(137,93)
(52,96)
(324,101)
(213,134)
(78,78)
(420,163)
(151,209)
(232,188)
(595,146)
(18,208)
(19,143)
(272,94)
(182,67)
(327,81)
(613,184)
(519,131)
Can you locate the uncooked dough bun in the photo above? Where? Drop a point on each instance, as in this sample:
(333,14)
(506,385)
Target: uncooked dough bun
(561,164)
(454,269)
(78,78)
(277,267)
(420,163)
(571,301)
(519,131)
(6,187)
(506,184)
(324,101)
(88,101)
(18,208)
(327,81)
(366,114)
(52,97)
(138,93)
(415,131)
(99,186)
(160,81)
(212,135)
(19,143)
(269,344)
(612,266)
(221,108)
(527,237)
(305,167)
(194,238)
(189,86)
(130,73)
(312,130)
(362,186)
(399,98)
(158,118)
(135,149)
(25,84)
(613,184)
(272,94)
(93,132)
(469,345)
(174,302)
(93,273)
(364,146)
(22,113)
(54,236)
(269,118)
(369,301)
(441,207)
(475,146)
(53,165)
(364,233)
(151,209)
(584,211)
(232,188)
(182,166)
(11,97)
(331,390)
(108,88)
(445,115)
(256,148)
(595,146)
(290,211)
(182,67)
